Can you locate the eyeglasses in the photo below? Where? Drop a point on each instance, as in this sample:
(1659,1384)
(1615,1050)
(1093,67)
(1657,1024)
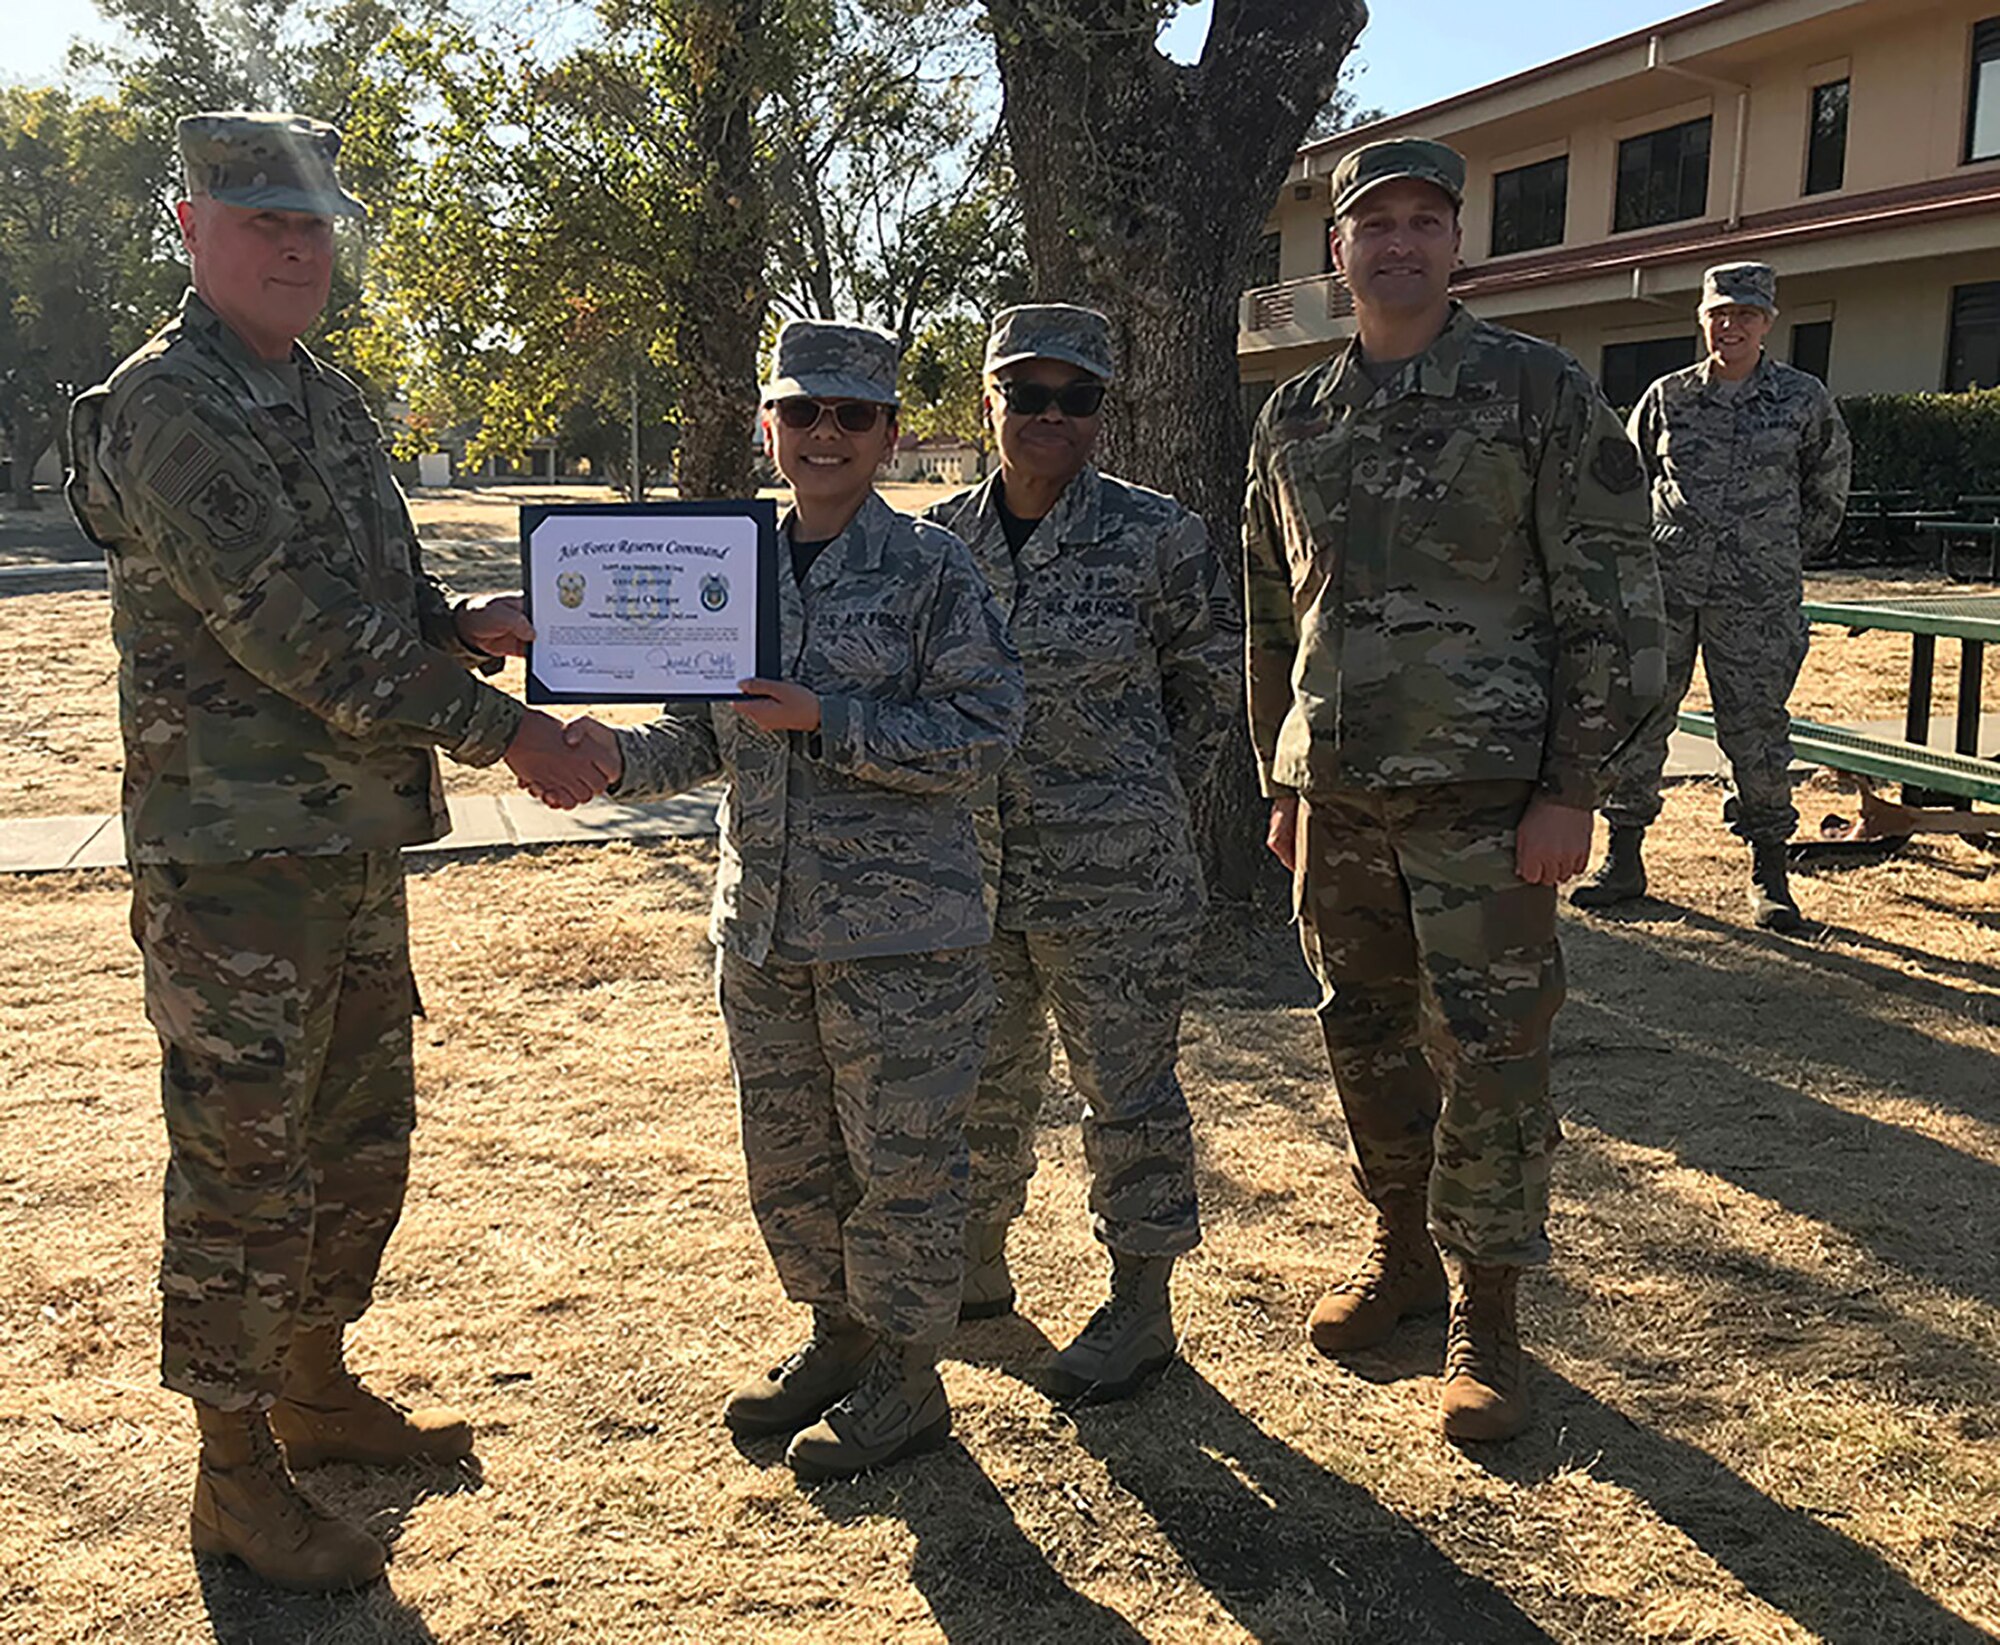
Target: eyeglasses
(1032,399)
(853,416)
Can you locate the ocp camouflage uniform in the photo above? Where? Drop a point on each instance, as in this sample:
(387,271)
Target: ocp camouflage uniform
(1451,608)
(1745,484)
(286,669)
(849,915)
(1129,635)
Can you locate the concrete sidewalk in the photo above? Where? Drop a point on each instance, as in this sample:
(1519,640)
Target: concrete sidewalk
(479,822)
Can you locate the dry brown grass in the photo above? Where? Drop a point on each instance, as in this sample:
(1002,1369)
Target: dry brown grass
(1767,1347)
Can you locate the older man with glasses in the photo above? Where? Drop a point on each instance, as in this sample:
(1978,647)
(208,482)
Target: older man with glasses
(1128,631)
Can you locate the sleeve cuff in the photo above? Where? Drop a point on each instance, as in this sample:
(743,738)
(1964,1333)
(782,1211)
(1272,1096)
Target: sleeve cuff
(1577,789)
(495,718)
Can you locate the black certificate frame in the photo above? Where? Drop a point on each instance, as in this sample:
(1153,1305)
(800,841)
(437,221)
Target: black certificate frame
(762,511)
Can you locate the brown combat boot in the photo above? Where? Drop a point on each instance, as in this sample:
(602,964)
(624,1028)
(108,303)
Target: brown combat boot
(989,1287)
(1399,1277)
(896,1410)
(326,1415)
(1485,1392)
(1621,877)
(1771,904)
(248,1506)
(799,1388)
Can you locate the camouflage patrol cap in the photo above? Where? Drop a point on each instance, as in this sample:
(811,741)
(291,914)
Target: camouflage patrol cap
(1753,285)
(832,360)
(1051,331)
(1371,166)
(267,162)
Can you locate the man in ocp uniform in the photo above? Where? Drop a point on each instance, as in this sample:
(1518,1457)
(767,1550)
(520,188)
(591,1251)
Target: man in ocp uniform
(1128,631)
(1453,622)
(1749,463)
(286,671)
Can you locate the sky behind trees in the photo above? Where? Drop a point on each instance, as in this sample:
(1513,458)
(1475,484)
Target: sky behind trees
(1415,51)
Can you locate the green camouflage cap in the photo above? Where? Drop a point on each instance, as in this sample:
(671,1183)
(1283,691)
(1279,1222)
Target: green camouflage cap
(1377,163)
(1753,285)
(266,162)
(832,360)
(1051,331)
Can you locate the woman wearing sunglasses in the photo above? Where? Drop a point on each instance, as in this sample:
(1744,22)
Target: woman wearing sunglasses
(849,913)
(1128,630)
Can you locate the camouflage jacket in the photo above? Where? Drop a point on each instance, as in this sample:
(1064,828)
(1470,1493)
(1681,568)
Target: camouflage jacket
(1447,579)
(856,839)
(285,666)
(1744,485)
(1128,631)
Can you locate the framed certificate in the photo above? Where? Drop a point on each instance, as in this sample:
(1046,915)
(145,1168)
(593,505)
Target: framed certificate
(648,602)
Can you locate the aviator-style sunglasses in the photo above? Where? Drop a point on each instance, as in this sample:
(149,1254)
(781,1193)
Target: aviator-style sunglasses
(1032,399)
(853,416)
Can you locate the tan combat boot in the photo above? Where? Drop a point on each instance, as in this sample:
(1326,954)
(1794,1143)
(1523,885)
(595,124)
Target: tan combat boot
(248,1506)
(1771,904)
(1485,1392)
(989,1287)
(1621,877)
(325,1415)
(896,1410)
(1130,1338)
(824,1368)
(1399,1277)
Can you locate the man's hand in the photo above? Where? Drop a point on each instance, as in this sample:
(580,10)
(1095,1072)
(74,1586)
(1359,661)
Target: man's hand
(1552,843)
(496,625)
(550,769)
(600,742)
(778,705)
(1282,837)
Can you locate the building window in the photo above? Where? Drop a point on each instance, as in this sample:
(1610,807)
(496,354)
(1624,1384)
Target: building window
(1264,261)
(1326,246)
(1663,176)
(1632,368)
(1982,113)
(1530,205)
(1974,361)
(1812,347)
(1826,143)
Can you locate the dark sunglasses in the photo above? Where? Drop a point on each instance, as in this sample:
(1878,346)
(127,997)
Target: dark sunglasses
(1032,399)
(855,416)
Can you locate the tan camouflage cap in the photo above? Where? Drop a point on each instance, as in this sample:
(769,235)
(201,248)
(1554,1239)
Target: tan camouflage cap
(268,162)
(1051,331)
(1378,163)
(1753,285)
(832,360)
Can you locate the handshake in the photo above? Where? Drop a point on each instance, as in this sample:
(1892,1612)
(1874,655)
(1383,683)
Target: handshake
(563,765)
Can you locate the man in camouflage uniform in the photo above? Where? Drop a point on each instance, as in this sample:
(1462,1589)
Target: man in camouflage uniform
(1749,464)
(1453,624)
(850,921)
(1128,631)
(286,670)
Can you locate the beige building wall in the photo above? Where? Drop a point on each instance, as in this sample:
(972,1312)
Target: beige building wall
(1886,290)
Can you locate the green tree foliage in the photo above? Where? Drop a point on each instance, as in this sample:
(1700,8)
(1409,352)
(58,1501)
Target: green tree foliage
(79,285)
(943,384)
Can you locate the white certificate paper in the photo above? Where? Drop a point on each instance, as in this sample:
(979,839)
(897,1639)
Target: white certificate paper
(649,602)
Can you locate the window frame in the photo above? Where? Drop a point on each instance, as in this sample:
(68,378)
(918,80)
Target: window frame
(1493,246)
(1983,47)
(1813,151)
(1707,122)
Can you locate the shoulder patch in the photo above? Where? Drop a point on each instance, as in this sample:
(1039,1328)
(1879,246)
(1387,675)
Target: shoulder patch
(231,513)
(1615,465)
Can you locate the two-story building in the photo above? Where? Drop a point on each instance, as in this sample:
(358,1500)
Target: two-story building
(1852,144)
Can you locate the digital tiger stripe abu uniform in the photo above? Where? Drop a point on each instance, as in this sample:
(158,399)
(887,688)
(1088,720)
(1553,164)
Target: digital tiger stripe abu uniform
(1128,631)
(849,914)
(1453,624)
(286,671)
(1749,463)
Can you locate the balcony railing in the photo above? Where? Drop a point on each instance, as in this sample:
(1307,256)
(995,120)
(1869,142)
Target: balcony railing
(1303,305)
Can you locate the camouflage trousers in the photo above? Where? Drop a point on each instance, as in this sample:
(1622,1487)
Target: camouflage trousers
(1751,656)
(1116,999)
(282,994)
(1440,977)
(853,1078)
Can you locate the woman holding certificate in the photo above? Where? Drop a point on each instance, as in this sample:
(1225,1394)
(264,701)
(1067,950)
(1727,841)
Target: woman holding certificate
(848,913)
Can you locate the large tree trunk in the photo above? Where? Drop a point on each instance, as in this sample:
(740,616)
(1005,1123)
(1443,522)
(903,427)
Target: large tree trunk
(28,436)
(724,306)
(1144,185)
